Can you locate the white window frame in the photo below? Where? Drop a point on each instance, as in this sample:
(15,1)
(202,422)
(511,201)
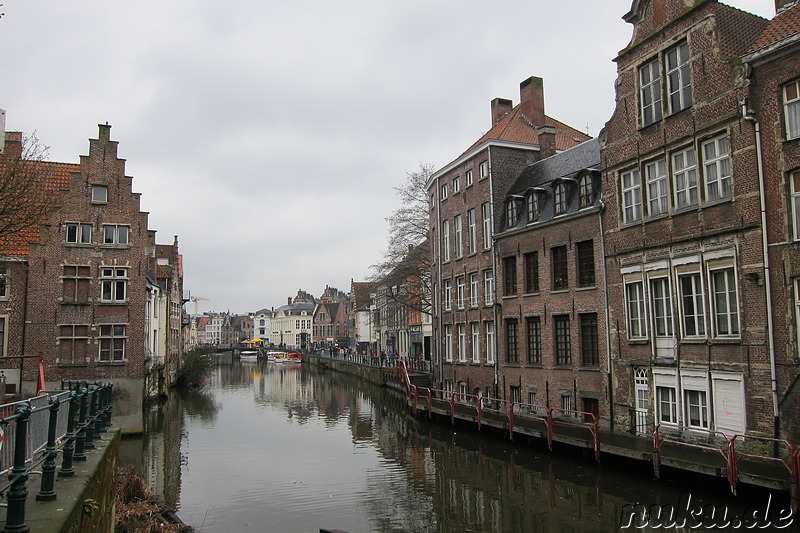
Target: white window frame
(791,109)
(458,234)
(448,343)
(725,300)
(796,293)
(586,191)
(444,191)
(655,172)
(560,198)
(447,292)
(679,77)
(635,300)
(511,213)
(120,234)
(666,396)
(696,316)
(488,287)
(474,290)
(4,277)
(533,207)
(717,168)
(631,189)
(472,232)
(113,284)
(476,342)
(661,307)
(650,92)
(486,215)
(794,192)
(83,233)
(490,341)
(696,399)
(468,177)
(445,241)
(456,185)
(483,170)
(460,296)
(461,329)
(99,194)
(684,178)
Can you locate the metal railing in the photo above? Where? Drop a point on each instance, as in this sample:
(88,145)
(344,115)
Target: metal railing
(38,430)
(383,361)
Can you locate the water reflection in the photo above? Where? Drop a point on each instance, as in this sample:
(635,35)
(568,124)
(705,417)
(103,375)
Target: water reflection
(285,447)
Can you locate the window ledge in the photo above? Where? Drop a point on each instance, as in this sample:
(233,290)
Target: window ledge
(589,369)
(562,367)
(71,302)
(638,341)
(718,201)
(73,365)
(115,246)
(726,340)
(535,293)
(587,288)
(559,291)
(534,365)
(112,363)
(101,302)
(694,340)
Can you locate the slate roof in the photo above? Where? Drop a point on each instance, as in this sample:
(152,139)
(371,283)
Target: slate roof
(542,176)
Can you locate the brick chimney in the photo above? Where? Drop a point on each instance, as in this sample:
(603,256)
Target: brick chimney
(500,108)
(13,144)
(781,5)
(531,100)
(547,141)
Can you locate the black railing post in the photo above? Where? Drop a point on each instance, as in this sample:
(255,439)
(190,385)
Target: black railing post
(15,515)
(91,398)
(97,413)
(47,488)
(110,407)
(80,440)
(69,444)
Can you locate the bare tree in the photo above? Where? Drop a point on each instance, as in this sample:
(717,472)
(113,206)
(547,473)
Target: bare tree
(406,262)
(28,192)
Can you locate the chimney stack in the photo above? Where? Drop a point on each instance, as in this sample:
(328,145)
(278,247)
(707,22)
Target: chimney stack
(13,145)
(500,108)
(547,141)
(531,100)
(289,300)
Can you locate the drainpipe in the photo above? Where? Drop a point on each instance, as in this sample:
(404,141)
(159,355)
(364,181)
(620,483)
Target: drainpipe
(608,319)
(494,274)
(438,297)
(748,115)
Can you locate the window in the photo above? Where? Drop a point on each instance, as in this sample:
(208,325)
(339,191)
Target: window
(488,287)
(486,214)
(692,309)
(73,340)
(113,284)
(666,402)
(112,343)
(794,187)
(474,289)
(445,241)
(684,178)
(472,232)
(462,343)
(650,92)
(634,296)
(533,325)
(560,275)
(460,292)
(79,233)
(585,255)
(3,339)
(566,403)
(563,345)
(483,170)
(696,408)
(532,398)
(726,305)
(490,342)
(457,226)
(585,188)
(590,342)
(533,207)
(512,341)
(679,78)
(717,167)
(447,295)
(99,194)
(456,185)
(511,213)
(3,281)
(655,173)
(476,342)
(444,192)
(75,284)
(468,177)
(796,283)
(114,234)
(791,109)
(631,196)
(448,343)
(515,393)
(532,272)
(510,275)
(560,198)
(662,307)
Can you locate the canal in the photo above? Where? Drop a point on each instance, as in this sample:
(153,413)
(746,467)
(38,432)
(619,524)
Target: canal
(279,447)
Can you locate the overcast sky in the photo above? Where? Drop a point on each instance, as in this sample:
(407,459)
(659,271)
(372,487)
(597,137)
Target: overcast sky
(269,135)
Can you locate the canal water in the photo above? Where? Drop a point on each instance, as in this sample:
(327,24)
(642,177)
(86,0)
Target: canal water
(279,447)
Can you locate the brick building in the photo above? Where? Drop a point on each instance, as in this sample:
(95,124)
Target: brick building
(550,287)
(682,222)
(82,283)
(773,106)
(463,199)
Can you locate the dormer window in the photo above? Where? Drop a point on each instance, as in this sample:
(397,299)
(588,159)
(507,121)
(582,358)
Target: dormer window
(511,213)
(533,206)
(560,198)
(99,194)
(586,192)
